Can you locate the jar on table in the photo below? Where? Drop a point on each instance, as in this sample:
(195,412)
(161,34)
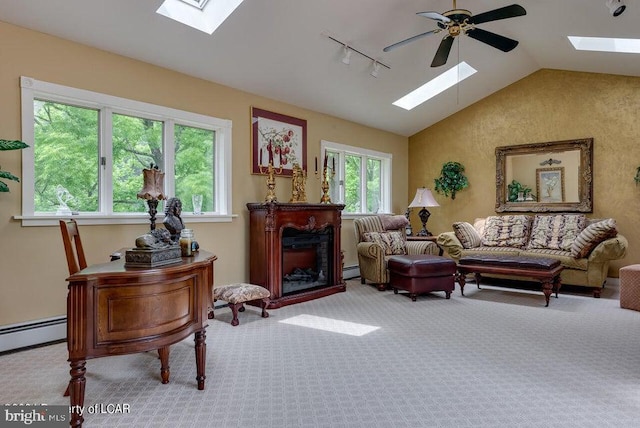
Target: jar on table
(186,238)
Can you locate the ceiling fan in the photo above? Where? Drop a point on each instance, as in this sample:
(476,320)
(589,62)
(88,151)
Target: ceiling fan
(461,21)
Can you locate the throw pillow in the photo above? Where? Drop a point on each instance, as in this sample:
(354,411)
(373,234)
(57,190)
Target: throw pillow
(393,222)
(467,234)
(506,231)
(591,236)
(556,232)
(478,225)
(391,242)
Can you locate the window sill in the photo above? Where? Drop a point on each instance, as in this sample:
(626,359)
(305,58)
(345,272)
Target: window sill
(99,219)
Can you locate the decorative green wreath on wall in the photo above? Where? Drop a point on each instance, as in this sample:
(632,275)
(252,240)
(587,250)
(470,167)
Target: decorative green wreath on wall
(451,179)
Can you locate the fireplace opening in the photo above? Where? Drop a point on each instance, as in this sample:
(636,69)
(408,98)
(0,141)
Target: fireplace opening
(306,259)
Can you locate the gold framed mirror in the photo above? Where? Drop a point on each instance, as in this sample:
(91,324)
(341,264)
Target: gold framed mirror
(545,177)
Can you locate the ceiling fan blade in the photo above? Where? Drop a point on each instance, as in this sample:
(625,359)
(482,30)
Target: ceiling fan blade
(435,16)
(409,40)
(443,52)
(505,44)
(497,14)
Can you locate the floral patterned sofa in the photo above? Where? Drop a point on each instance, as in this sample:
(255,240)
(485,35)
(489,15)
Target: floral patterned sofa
(584,246)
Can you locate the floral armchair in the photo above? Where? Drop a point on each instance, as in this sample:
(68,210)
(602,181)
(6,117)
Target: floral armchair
(380,237)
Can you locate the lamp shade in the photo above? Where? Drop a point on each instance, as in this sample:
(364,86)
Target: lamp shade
(423,198)
(153,187)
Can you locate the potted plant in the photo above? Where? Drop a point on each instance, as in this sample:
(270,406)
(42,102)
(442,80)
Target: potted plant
(9,145)
(451,179)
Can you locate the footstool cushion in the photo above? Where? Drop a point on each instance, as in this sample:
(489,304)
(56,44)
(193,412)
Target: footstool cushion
(630,287)
(238,294)
(421,273)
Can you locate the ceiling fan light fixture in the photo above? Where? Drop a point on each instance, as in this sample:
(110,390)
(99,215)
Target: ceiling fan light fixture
(616,7)
(346,59)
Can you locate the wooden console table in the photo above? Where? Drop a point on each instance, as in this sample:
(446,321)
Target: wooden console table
(114,310)
(285,237)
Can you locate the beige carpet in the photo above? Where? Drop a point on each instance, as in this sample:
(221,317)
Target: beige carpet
(495,358)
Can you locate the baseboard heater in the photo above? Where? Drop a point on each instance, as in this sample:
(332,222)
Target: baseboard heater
(32,333)
(350,272)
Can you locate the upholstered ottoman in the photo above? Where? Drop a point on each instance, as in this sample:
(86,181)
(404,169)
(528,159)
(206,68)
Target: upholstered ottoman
(236,295)
(630,287)
(421,273)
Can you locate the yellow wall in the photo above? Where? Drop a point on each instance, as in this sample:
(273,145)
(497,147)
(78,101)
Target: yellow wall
(32,262)
(548,105)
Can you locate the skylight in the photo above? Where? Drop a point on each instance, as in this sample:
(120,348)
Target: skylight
(604,44)
(329,324)
(199,14)
(435,86)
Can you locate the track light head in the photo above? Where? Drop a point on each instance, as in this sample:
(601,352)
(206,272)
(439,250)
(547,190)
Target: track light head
(616,7)
(375,68)
(346,59)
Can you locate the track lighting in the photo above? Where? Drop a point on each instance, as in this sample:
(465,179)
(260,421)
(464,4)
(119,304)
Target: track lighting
(616,7)
(348,50)
(375,68)
(346,59)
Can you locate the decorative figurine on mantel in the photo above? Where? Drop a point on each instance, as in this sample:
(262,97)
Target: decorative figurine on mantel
(299,178)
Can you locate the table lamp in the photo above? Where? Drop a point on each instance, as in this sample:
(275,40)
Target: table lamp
(423,199)
(152,191)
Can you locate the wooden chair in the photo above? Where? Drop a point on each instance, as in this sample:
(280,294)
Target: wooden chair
(70,236)
(75,259)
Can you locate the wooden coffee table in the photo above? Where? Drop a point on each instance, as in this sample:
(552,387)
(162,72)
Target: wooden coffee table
(545,270)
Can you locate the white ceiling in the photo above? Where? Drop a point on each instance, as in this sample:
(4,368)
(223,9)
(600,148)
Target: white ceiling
(279,49)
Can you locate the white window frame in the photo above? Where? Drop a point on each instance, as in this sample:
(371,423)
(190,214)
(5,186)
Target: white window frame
(386,160)
(32,89)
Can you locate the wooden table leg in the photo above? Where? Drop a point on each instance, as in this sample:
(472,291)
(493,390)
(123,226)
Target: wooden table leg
(76,391)
(547,288)
(461,281)
(164,363)
(201,357)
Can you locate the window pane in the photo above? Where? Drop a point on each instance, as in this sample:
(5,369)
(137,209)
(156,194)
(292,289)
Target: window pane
(334,189)
(352,184)
(194,161)
(137,143)
(374,194)
(65,157)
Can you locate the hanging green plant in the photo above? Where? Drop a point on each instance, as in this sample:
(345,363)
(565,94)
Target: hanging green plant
(9,145)
(451,179)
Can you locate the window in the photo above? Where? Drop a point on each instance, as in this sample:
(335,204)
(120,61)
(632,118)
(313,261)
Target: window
(88,151)
(361,178)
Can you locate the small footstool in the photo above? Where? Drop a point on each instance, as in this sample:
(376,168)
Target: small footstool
(630,287)
(236,295)
(421,273)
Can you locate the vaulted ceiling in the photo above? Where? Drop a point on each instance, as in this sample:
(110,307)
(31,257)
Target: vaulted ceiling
(280,49)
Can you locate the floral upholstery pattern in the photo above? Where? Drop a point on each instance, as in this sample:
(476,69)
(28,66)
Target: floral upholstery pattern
(506,231)
(556,232)
(238,293)
(393,242)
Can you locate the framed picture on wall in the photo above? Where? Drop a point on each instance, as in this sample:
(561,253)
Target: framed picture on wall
(279,139)
(550,184)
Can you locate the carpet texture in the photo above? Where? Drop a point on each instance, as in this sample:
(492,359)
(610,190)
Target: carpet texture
(493,358)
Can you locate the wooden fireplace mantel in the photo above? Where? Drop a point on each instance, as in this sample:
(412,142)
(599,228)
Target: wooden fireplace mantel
(268,221)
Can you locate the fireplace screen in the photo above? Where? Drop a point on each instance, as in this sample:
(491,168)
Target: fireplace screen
(306,259)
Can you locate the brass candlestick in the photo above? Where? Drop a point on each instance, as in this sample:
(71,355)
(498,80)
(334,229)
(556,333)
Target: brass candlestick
(298,180)
(271,172)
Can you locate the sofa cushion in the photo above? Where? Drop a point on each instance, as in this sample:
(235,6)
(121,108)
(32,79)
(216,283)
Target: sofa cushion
(393,222)
(467,234)
(556,232)
(591,236)
(392,242)
(506,231)
(478,225)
